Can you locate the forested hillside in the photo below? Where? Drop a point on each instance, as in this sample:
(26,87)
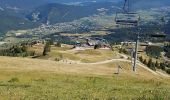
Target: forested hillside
(9,22)
(56,13)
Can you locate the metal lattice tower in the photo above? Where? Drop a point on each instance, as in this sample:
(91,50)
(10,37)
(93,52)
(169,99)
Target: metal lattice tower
(135,53)
(129,19)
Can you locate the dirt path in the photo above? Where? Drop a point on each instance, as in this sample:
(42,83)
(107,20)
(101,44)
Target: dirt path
(121,60)
(98,68)
(124,59)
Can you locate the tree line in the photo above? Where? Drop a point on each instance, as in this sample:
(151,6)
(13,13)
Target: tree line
(167,50)
(156,65)
(16,51)
(154,51)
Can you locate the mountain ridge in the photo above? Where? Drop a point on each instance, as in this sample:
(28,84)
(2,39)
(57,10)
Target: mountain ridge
(63,10)
(56,13)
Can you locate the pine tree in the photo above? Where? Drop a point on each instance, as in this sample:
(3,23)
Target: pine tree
(47,48)
(149,63)
(153,66)
(157,64)
(145,62)
(168,65)
(141,58)
(162,66)
(168,71)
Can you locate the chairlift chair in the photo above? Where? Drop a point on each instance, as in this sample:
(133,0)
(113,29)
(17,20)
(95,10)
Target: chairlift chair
(126,18)
(139,51)
(144,45)
(158,35)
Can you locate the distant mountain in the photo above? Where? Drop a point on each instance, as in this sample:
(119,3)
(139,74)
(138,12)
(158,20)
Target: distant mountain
(23,4)
(147,4)
(55,13)
(14,14)
(9,22)
(85,1)
(20,8)
(28,4)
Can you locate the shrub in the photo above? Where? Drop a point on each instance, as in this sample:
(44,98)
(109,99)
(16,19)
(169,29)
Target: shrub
(12,80)
(58,44)
(162,66)
(123,51)
(168,65)
(97,46)
(168,54)
(168,71)
(141,58)
(57,59)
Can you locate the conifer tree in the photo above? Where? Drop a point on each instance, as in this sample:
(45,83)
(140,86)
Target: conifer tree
(145,62)
(149,63)
(157,64)
(141,58)
(47,48)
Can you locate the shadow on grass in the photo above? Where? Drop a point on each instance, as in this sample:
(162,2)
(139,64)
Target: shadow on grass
(15,85)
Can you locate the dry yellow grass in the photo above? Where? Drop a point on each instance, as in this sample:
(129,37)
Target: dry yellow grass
(71,62)
(27,64)
(32,79)
(89,55)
